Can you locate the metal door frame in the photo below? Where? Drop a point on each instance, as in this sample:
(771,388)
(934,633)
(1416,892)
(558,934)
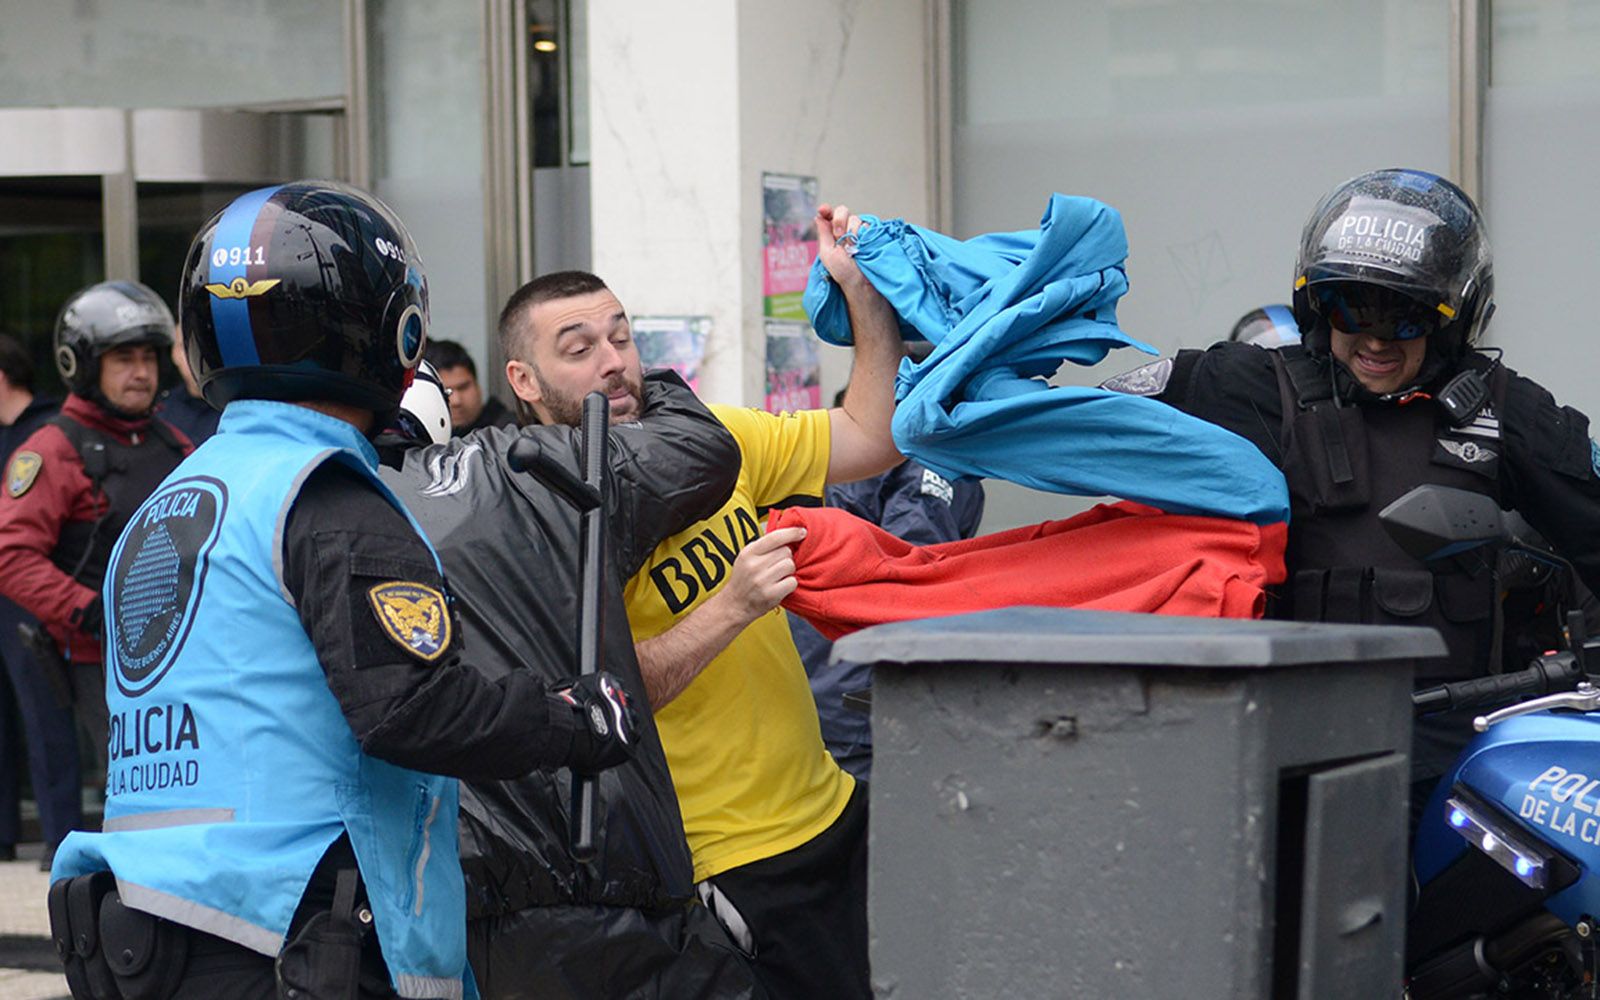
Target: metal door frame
(122,147)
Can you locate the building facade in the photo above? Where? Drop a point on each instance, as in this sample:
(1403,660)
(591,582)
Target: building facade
(522,136)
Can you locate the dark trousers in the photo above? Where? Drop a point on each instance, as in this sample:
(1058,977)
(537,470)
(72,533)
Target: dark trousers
(49,739)
(89,691)
(217,968)
(806,910)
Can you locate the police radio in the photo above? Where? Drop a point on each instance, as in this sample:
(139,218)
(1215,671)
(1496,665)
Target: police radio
(1464,397)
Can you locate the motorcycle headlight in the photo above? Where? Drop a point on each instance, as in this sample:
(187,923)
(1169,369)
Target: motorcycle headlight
(1495,837)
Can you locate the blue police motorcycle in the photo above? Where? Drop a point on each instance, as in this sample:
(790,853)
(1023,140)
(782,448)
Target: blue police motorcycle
(1506,859)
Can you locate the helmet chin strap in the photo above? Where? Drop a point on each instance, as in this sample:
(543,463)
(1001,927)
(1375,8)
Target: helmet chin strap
(116,411)
(1318,341)
(98,398)
(1436,366)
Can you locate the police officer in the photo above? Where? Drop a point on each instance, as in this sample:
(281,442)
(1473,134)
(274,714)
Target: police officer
(73,484)
(286,681)
(51,735)
(1392,289)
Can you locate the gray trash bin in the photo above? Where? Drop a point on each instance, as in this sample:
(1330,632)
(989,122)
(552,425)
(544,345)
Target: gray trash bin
(1099,805)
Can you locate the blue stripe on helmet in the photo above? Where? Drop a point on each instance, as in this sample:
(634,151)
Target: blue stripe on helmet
(231,317)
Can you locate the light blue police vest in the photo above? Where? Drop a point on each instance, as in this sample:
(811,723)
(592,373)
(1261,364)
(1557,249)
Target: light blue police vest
(231,767)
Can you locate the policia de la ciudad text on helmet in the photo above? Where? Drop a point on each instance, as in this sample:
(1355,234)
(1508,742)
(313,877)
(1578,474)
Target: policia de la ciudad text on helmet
(288,700)
(1393,286)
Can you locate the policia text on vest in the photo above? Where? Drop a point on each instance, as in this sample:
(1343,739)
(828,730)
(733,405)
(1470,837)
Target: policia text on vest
(144,733)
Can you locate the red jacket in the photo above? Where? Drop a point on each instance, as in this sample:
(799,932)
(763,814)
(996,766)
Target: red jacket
(1115,557)
(34,510)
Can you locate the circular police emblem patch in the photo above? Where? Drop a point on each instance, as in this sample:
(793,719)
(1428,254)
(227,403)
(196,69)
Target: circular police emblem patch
(158,570)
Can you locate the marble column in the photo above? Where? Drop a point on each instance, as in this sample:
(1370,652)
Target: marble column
(692,101)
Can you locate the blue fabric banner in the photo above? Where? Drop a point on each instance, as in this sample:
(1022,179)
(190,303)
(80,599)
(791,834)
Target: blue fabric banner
(1004,311)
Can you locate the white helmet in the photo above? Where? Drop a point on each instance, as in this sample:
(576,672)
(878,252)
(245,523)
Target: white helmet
(425,407)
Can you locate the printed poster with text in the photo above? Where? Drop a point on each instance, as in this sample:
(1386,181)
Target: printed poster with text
(789,242)
(794,367)
(675,342)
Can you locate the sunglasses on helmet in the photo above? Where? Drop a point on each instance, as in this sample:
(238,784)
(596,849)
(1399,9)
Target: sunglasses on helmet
(1374,311)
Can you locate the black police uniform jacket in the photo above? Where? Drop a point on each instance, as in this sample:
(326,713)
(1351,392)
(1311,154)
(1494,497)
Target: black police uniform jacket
(510,549)
(1347,454)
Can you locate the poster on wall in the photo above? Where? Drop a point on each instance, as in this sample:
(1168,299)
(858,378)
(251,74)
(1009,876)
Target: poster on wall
(675,342)
(789,242)
(794,367)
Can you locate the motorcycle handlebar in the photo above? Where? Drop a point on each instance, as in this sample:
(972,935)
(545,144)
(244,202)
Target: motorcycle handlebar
(1555,672)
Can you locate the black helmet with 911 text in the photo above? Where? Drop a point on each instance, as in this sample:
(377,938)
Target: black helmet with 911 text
(305,291)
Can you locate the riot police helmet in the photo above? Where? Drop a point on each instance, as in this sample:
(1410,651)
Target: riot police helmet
(1398,254)
(1270,327)
(101,317)
(305,291)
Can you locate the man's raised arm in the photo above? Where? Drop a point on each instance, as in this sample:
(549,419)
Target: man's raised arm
(862,445)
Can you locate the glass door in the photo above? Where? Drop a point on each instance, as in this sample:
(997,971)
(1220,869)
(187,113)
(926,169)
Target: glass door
(52,242)
(90,194)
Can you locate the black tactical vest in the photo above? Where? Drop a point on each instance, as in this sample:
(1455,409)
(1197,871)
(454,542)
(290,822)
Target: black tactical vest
(1344,463)
(121,476)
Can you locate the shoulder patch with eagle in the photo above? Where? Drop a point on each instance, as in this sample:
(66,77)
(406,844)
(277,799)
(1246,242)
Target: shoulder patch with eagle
(414,616)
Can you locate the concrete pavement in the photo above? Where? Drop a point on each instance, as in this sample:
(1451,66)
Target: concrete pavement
(29,969)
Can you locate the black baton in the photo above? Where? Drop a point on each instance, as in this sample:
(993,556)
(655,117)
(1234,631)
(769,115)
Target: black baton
(591,578)
(588,496)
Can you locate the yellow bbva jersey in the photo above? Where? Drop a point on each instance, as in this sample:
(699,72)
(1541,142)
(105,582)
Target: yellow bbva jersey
(743,741)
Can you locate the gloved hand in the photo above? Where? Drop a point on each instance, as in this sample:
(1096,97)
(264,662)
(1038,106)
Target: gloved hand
(91,618)
(608,726)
